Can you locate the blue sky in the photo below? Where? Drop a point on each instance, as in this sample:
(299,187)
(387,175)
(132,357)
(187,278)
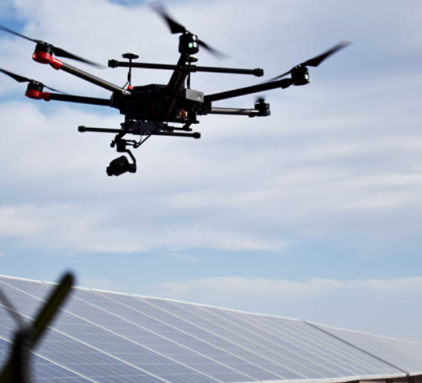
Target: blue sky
(312,213)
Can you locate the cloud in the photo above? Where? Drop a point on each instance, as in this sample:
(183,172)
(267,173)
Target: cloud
(100,284)
(279,289)
(77,227)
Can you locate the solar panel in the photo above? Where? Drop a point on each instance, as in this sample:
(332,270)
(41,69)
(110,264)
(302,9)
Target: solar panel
(45,370)
(109,337)
(348,362)
(404,355)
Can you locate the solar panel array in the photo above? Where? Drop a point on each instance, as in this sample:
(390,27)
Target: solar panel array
(109,337)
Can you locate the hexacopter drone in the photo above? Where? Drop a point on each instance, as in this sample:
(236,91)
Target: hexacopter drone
(149,109)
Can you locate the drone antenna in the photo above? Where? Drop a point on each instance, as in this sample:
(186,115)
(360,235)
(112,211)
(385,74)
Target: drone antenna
(11,309)
(130,56)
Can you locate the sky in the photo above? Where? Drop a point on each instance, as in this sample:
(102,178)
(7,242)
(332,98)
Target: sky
(312,213)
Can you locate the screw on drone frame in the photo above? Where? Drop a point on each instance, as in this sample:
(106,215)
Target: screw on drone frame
(17,368)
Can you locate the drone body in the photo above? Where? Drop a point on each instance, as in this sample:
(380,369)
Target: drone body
(149,109)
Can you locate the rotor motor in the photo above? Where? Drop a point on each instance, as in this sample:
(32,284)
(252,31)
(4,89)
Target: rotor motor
(34,90)
(43,53)
(300,76)
(188,44)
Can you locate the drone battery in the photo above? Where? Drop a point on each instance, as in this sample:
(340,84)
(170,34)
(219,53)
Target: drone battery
(192,95)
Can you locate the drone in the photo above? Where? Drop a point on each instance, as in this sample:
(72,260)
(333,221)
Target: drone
(149,109)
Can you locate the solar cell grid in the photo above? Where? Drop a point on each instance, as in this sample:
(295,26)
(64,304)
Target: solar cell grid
(289,341)
(194,309)
(348,354)
(44,370)
(386,352)
(268,363)
(87,361)
(135,334)
(301,360)
(86,332)
(288,363)
(284,331)
(408,350)
(206,336)
(387,349)
(205,349)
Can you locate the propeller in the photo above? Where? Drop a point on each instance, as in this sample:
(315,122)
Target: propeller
(56,50)
(176,27)
(19,78)
(316,60)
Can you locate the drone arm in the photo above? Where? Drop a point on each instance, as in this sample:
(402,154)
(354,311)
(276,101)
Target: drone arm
(93,79)
(283,83)
(58,64)
(83,129)
(234,111)
(186,68)
(78,99)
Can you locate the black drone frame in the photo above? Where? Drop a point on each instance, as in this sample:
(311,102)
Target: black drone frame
(149,109)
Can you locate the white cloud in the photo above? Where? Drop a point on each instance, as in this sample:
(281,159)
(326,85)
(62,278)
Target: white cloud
(279,289)
(78,227)
(100,284)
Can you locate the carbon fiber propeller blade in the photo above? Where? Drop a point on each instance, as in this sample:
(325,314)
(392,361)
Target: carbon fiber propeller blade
(214,52)
(318,59)
(62,53)
(54,90)
(281,76)
(57,51)
(19,78)
(176,27)
(15,76)
(17,34)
